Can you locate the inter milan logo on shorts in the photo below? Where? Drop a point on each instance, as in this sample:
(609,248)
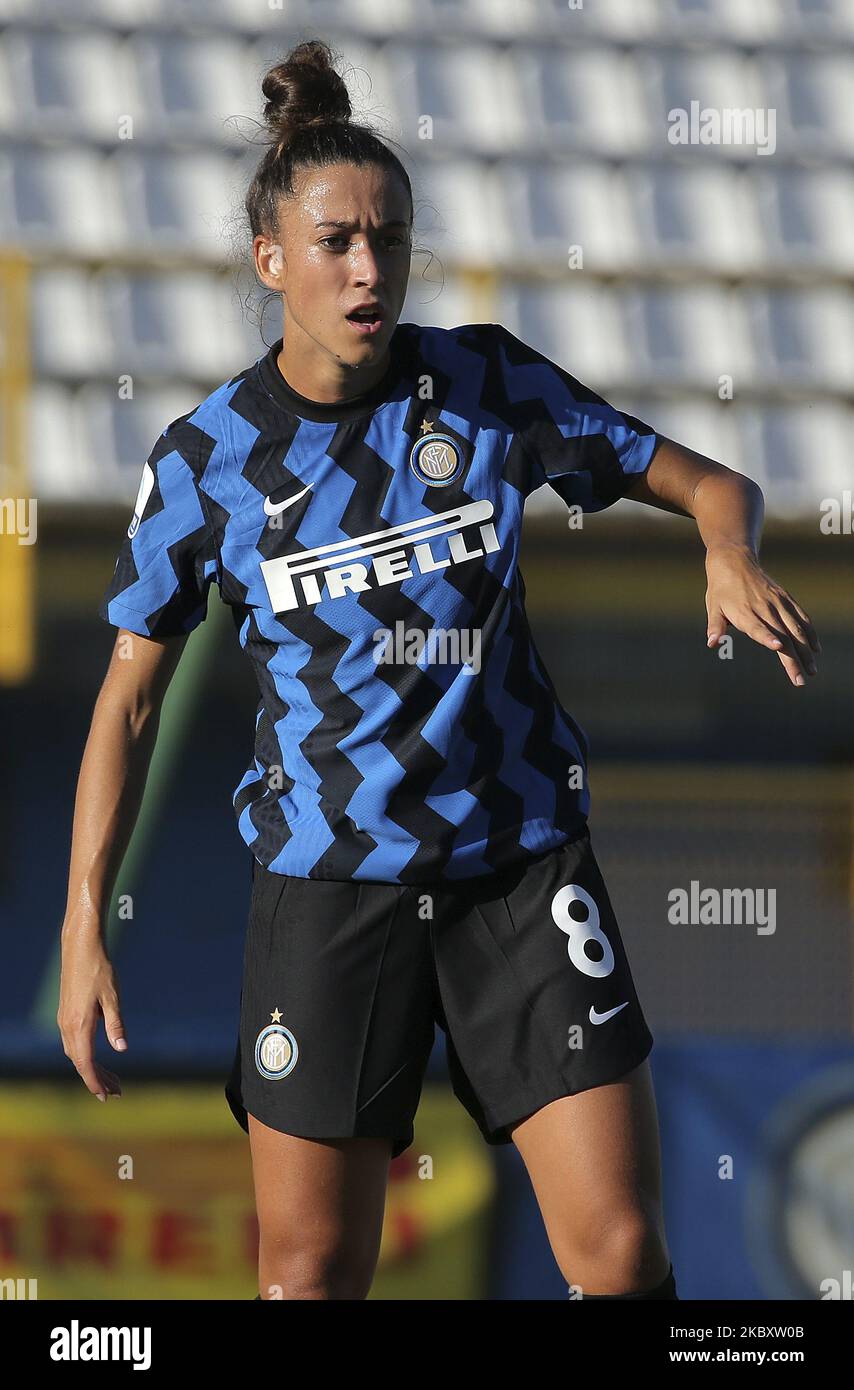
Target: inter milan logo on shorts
(436,458)
(276,1049)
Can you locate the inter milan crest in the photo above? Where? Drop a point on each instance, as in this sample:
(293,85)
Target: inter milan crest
(276,1049)
(436,458)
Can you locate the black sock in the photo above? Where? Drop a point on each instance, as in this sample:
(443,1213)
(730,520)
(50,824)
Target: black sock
(666,1289)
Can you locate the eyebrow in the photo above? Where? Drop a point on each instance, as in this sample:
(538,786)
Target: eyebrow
(345,226)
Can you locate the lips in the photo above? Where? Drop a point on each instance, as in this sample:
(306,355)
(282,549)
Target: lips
(366,319)
(366,313)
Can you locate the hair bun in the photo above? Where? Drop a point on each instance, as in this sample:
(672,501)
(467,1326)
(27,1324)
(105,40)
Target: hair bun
(304,90)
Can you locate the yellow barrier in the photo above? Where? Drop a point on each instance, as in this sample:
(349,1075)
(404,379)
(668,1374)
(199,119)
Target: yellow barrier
(16,557)
(150,1197)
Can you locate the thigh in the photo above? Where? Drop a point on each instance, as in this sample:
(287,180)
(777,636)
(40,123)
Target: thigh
(336,1019)
(538,997)
(594,1159)
(320,1203)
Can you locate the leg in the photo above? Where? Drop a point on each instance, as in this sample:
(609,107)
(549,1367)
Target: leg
(320,1206)
(595,1165)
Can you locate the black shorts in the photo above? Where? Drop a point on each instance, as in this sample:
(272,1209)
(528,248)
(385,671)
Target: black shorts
(524,970)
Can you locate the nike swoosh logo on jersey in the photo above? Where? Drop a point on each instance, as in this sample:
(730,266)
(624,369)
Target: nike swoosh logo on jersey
(273,508)
(603,1018)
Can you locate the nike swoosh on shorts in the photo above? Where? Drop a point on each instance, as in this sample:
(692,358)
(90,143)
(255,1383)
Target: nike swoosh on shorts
(603,1018)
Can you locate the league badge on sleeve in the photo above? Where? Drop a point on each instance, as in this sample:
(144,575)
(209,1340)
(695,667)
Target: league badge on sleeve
(145,486)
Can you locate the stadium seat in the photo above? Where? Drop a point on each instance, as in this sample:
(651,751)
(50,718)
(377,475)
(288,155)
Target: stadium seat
(60,199)
(548,208)
(717,78)
(69,333)
(687,336)
(448,98)
(180,202)
(813,97)
(688,217)
(193,87)
(803,339)
(784,443)
(806,216)
(69,84)
(459,214)
(560,93)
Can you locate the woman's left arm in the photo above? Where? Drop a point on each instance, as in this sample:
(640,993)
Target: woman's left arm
(729,511)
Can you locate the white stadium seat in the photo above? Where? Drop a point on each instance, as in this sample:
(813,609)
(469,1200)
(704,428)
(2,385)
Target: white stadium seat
(548,208)
(813,96)
(176,324)
(193,86)
(61,199)
(448,99)
(70,336)
(459,214)
(178,202)
(562,96)
(69,84)
(673,80)
(690,336)
(803,338)
(801,454)
(806,217)
(694,218)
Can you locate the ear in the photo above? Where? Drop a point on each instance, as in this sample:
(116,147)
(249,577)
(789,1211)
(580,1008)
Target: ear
(269,262)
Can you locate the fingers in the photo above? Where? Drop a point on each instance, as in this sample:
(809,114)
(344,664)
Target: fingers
(753,626)
(114,1028)
(771,632)
(798,622)
(790,626)
(97,1079)
(789,651)
(716,628)
(77,1046)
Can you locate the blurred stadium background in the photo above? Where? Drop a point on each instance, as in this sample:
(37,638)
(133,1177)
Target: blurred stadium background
(128,134)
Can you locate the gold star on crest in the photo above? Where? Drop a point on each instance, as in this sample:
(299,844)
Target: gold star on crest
(276,1016)
(426,427)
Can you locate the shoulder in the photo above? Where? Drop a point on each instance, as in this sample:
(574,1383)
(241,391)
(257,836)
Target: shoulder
(204,437)
(504,353)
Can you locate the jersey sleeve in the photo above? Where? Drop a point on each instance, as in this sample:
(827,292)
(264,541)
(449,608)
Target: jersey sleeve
(586,449)
(168,557)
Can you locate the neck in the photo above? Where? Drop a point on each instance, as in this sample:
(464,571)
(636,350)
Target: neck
(317,375)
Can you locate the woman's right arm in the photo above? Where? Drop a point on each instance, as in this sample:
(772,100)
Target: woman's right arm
(110,787)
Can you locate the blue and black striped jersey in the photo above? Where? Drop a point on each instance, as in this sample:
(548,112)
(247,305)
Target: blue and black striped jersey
(407,730)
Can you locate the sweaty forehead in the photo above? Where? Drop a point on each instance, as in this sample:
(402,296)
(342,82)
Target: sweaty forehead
(345,193)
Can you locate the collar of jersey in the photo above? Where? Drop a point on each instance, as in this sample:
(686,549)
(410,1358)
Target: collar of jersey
(334,412)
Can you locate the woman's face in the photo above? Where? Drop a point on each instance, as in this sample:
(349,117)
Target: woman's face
(324,271)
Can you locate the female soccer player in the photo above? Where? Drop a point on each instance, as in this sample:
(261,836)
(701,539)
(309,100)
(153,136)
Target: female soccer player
(416,807)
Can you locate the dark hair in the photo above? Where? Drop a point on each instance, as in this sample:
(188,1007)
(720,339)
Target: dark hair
(308,118)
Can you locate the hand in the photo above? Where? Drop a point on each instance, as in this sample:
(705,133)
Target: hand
(88,991)
(740,592)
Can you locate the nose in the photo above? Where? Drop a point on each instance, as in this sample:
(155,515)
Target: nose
(365,262)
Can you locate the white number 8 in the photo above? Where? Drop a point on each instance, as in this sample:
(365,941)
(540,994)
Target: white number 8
(580,933)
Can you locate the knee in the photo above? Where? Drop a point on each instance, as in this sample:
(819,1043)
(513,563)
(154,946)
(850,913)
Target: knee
(624,1246)
(314,1270)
